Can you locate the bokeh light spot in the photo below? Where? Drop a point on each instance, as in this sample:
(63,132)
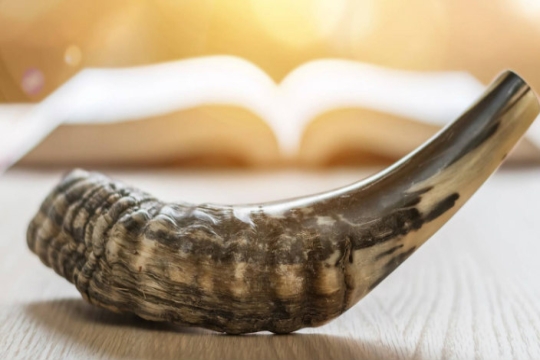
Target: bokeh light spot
(73,55)
(32,81)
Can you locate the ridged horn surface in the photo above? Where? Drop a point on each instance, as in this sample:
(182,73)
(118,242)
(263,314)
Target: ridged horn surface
(275,266)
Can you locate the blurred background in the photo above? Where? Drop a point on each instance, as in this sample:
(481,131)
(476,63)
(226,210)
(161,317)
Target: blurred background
(55,38)
(45,43)
(471,293)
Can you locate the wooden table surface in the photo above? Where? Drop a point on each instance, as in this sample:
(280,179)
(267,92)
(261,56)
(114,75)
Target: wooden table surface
(472,291)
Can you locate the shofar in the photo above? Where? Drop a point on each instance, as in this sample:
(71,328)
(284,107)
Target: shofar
(277,266)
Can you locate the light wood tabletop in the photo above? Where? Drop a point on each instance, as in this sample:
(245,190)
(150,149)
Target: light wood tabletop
(472,291)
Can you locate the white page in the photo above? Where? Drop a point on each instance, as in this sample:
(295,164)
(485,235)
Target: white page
(320,86)
(112,95)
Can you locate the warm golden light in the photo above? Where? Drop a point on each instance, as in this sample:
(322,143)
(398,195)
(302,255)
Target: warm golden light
(404,34)
(529,8)
(25,9)
(300,22)
(365,17)
(61,37)
(73,55)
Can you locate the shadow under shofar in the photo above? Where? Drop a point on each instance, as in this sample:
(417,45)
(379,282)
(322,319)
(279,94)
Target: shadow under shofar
(278,266)
(80,330)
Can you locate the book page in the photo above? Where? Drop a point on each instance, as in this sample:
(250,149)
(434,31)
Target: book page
(320,86)
(115,95)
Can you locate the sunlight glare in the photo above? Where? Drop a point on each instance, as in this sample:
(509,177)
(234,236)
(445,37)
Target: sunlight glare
(529,8)
(299,22)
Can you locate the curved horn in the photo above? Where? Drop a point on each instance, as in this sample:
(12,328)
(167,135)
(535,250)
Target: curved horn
(276,266)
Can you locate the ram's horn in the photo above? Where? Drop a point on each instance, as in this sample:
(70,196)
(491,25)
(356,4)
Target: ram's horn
(276,266)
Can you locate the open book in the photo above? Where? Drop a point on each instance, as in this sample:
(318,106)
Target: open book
(226,109)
